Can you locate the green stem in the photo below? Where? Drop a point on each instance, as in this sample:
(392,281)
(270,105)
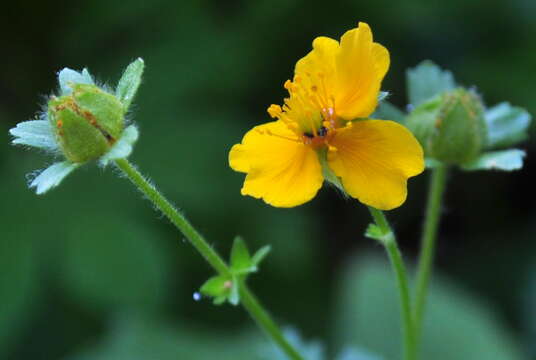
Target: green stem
(428,241)
(248,300)
(395,257)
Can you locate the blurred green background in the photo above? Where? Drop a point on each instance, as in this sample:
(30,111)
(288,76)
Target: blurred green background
(90,271)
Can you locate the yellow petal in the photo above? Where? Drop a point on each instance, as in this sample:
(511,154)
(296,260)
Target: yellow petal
(374,159)
(283,172)
(361,66)
(317,68)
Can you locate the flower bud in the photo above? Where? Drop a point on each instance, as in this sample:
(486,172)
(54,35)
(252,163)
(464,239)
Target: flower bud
(450,127)
(87,122)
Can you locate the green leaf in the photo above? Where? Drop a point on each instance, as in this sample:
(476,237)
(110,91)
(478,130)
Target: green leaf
(133,337)
(388,111)
(427,80)
(129,82)
(259,256)
(457,325)
(505,160)
(507,125)
(356,354)
(240,258)
(310,350)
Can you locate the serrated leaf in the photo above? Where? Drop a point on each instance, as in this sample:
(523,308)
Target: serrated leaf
(240,258)
(505,160)
(507,125)
(356,354)
(310,350)
(129,83)
(388,111)
(427,80)
(259,256)
(457,324)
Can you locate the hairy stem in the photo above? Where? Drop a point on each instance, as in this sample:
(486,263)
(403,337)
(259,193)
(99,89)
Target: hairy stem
(428,243)
(388,240)
(248,300)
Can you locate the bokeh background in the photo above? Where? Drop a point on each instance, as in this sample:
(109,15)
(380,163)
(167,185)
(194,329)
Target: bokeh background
(90,271)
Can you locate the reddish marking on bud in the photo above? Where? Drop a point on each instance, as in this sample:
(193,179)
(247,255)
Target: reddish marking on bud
(59,123)
(228,284)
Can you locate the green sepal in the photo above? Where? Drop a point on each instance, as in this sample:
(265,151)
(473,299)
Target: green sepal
(427,80)
(78,139)
(505,160)
(129,83)
(507,125)
(104,108)
(328,174)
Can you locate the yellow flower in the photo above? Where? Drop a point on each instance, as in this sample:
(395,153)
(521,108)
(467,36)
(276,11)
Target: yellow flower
(335,87)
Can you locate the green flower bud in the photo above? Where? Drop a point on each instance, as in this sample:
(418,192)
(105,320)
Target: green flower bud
(87,122)
(450,127)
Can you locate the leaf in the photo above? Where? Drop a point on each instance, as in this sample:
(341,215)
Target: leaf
(457,325)
(259,256)
(129,83)
(52,176)
(356,354)
(310,350)
(133,337)
(240,258)
(388,111)
(505,160)
(507,125)
(36,133)
(427,80)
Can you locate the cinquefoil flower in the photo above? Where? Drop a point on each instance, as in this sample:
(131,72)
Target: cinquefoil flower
(322,132)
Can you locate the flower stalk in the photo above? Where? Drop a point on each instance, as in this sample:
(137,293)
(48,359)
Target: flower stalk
(248,300)
(428,243)
(388,240)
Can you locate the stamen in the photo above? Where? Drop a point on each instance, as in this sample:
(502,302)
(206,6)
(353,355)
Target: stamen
(275,111)
(270,133)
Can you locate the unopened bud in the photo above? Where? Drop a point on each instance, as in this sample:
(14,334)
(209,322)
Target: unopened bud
(450,127)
